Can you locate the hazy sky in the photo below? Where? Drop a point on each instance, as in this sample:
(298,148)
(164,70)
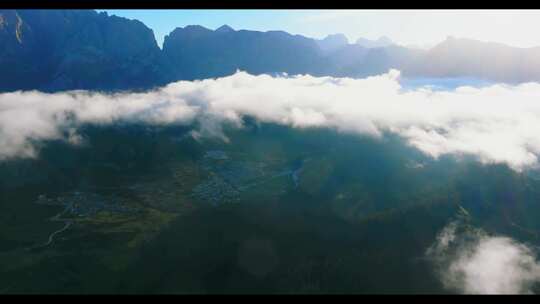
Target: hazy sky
(407,27)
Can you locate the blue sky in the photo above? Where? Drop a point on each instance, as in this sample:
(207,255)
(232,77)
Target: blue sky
(407,27)
(164,21)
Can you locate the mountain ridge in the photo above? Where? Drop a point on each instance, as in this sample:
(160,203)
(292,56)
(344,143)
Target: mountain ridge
(58,50)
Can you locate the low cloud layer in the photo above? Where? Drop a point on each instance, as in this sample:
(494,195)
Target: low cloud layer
(470,261)
(498,123)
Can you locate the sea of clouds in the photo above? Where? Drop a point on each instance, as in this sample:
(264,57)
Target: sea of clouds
(496,123)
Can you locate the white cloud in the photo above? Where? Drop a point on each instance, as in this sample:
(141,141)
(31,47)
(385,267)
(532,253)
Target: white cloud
(498,123)
(472,262)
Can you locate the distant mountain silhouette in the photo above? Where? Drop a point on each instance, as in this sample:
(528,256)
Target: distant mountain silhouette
(332,43)
(379,60)
(486,60)
(381,42)
(224,29)
(197,52)
(54,50)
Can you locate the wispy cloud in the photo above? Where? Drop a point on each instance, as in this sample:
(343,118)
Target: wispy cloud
(470,261)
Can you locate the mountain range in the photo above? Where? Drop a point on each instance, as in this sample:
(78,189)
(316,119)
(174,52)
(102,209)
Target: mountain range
(56,50)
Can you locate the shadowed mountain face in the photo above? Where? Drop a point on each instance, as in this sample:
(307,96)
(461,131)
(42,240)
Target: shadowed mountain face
(17,41)
(56,50)
(197,52)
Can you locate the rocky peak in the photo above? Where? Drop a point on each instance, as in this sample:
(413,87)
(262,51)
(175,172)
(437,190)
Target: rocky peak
(76,49)
(224,29)
(332,42)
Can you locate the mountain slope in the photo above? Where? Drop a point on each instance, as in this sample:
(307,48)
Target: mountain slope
(77,49)
(17,42)
(198,52)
